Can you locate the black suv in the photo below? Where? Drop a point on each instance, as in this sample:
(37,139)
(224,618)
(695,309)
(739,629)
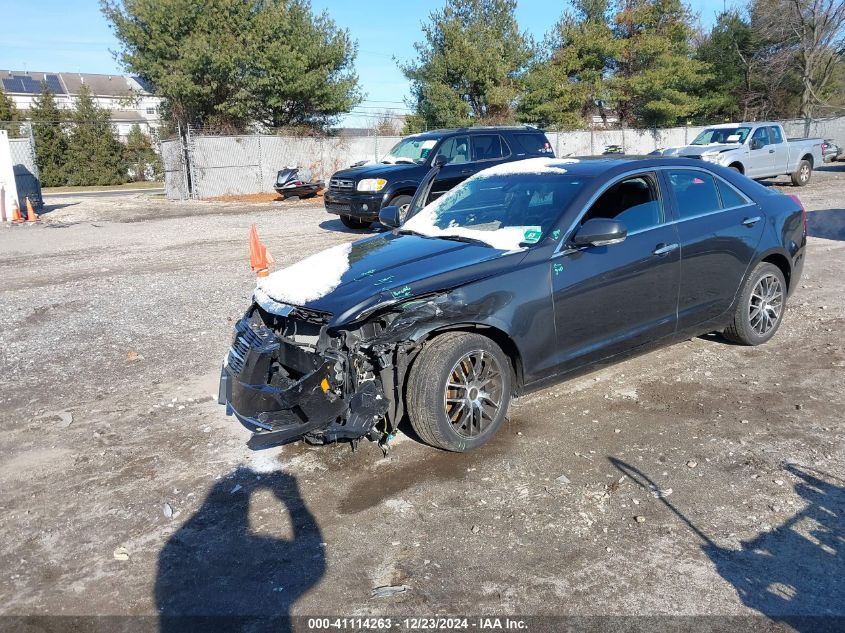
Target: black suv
(357,194)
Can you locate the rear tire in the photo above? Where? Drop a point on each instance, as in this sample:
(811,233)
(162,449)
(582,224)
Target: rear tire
(760,306)
(801,176)
(458,391)
(354,223)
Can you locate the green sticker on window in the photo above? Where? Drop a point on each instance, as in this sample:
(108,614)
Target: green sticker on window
(556,233)
(531,236)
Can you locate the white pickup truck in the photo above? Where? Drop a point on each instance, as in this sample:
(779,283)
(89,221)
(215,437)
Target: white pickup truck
(758,150)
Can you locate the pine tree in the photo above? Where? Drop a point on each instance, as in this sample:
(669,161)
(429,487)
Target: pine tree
(655,76)
(9,114)
(469,67)
(140,155)
(569,86)
(50,138)
(94,155)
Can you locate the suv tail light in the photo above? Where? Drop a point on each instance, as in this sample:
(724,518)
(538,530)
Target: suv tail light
(824,149)
(803,210)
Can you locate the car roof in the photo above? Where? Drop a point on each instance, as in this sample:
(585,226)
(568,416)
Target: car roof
(740,123)
(591,166)
(437,134)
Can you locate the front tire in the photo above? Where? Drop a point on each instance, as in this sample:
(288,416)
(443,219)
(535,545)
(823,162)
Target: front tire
(801,176)
(760,306)
(403,202)
(354,223)
(458,391)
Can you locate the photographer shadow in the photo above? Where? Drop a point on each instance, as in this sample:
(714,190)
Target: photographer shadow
(793,573)
(215,573)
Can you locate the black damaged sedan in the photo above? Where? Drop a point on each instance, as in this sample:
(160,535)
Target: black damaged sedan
(524,275)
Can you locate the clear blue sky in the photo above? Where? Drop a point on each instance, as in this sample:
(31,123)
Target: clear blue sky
(73,36)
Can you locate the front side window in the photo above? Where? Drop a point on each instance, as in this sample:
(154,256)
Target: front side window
(635,202)
(455,149)
(695,192)
(506,211)
(761,135)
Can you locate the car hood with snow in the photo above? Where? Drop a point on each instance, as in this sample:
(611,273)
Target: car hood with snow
(690,151)
(350,279)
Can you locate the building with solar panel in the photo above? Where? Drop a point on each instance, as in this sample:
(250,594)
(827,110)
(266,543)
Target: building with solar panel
(128,98)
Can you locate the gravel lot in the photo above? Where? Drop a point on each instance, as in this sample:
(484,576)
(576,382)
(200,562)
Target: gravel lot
(705,478)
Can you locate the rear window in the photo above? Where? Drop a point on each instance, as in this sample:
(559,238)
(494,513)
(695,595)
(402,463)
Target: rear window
(533,143)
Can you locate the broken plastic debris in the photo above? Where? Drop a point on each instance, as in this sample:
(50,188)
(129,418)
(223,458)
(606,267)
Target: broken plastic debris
(563,479)
(168,511)
(389,590)
(235,489)
(661,493)
(121,553)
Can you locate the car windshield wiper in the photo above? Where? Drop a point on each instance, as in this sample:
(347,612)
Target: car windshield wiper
(462,238)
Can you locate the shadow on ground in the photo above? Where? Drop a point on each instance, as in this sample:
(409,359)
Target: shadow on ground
(218,573)
(338,227)
(829,224)
(793,573)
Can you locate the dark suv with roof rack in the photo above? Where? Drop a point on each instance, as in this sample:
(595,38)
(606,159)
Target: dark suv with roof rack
(357,194)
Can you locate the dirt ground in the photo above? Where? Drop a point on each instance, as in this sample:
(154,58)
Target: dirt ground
(704,478)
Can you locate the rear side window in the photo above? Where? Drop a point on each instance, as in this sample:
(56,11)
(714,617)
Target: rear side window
(486,147)
(729,195)
(774,132)
(532,143)
(695,192)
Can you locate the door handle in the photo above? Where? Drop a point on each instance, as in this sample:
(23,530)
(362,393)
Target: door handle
(771,151)
(664,249)
(751,221)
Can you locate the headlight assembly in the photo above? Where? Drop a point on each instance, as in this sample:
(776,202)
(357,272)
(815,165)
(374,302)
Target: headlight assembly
(371,184)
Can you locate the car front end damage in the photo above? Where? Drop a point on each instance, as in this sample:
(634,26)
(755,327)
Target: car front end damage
(289,376)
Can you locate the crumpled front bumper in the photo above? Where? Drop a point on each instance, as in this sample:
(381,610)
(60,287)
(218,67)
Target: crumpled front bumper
(283,392)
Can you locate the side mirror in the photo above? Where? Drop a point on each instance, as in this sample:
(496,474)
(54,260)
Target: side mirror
(390,216)
(440,160)
(600,232)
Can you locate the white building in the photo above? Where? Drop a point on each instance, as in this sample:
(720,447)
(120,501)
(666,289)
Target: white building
(128,98)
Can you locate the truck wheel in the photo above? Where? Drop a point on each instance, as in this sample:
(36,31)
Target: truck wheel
(402,202)
(760,306)
(354,223)
(458,391)
(801,176)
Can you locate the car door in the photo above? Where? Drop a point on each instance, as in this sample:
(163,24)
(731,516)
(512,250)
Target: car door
(458,168)
(719,229)
(608,299)
(761,159)
(779,149)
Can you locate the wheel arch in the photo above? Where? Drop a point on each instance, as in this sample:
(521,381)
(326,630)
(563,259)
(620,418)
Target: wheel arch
(495,334)
(779,259)
(738,166)
(809,158)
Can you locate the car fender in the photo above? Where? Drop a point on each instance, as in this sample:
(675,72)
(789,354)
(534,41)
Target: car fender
(398,188)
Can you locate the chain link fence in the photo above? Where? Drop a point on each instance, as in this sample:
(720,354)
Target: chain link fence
(24,164)
(200,164)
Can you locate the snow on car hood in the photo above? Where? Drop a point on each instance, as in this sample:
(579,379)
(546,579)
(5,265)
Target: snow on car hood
(701,150)
(507,238)
(306,280)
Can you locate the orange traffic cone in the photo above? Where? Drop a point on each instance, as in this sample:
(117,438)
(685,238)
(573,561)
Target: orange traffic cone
(259,259)
(30,212)
(16,213)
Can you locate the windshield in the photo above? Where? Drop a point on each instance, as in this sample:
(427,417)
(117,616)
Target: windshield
(506,211)
(722,135)
(410,150)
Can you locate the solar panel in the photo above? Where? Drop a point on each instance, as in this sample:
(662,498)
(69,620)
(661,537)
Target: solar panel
(54,84)
(31,84)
